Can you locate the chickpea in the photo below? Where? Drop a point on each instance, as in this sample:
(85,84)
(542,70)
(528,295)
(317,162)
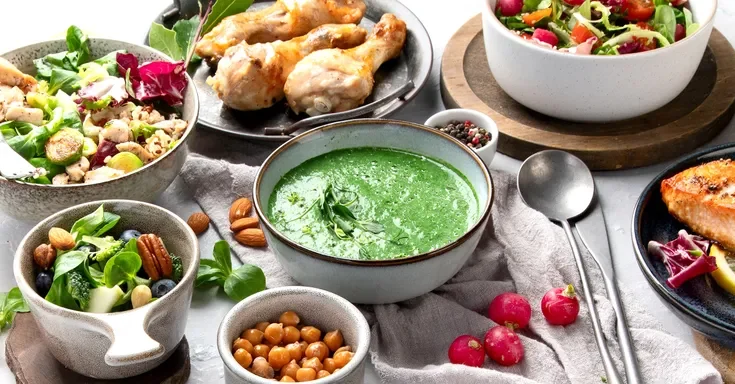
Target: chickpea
(342,358)
(291,334)
(278,357)
(243,358)
(336,370)
(334,340)
(318,350)
(311,334)
(290,369)
(302,361)
(261,350)
(254,336)
(274,333)
(287,379)
(289,318)
(294,349)
(305,374)
(345,348)
(313,363)
(322,374)
(329,365)
(242,343)
(262,326)
(303,345)
(262,368)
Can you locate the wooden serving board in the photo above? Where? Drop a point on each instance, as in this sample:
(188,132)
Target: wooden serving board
(692,119)
(721,357)
(32,363)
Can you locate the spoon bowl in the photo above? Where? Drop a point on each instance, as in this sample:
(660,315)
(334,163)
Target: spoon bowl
(557,184)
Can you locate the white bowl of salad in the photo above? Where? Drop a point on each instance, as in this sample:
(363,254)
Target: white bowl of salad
(98,118)
(595,61)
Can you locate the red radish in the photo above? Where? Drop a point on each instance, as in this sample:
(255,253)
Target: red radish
(503,346)
(677,3)
(680,33)
(560,306)
(545,36)
(510,7)
(467,350)
(510,309)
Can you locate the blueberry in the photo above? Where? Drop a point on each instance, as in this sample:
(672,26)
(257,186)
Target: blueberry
(43,283)
(162,287)
(129,234)
(87,248)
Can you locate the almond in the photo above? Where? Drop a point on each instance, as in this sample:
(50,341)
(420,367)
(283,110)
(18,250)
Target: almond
(199,222)
(240,208)
(244,223)
(61,239)
(251,237)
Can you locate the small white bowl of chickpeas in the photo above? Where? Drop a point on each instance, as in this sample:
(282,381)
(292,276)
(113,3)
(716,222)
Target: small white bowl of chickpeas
(294,334)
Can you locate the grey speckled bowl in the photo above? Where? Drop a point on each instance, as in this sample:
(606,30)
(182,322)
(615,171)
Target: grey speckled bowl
(315,307)
(34,202)
(122,344)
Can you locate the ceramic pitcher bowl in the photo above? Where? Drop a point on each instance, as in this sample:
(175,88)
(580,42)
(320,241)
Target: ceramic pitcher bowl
(122,344)
(34,201)
(590,88)
(315,307)
(373,281)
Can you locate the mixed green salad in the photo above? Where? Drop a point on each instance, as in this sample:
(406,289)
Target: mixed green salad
(85,120)
(604,27)
(86,269)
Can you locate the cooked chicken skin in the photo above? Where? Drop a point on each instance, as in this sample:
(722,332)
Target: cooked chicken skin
(12,76)
(336,80)
(284,20)
(252,77)
(703,198)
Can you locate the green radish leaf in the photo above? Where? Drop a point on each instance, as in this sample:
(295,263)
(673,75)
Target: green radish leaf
(164,40)
(222,9)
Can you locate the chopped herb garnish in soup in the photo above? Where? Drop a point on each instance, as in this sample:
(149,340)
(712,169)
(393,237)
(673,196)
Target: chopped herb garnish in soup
(373,204)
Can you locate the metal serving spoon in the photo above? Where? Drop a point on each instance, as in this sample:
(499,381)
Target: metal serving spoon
(14,166)
(561,187)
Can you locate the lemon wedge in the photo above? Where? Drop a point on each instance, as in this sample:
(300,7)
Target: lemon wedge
(724,275)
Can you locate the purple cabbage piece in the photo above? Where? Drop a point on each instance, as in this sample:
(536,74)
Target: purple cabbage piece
(685,257)
(629,47)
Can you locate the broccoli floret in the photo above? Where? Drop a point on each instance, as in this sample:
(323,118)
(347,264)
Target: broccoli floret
(178,267)
(79,288)
(106,247)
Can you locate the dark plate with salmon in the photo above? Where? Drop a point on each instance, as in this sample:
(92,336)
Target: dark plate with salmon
(700,302)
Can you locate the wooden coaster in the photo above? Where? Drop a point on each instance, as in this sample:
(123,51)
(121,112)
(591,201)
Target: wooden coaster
(723,358)
(692,119)
(32,363)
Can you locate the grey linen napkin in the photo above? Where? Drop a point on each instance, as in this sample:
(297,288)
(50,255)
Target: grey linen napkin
(520,251)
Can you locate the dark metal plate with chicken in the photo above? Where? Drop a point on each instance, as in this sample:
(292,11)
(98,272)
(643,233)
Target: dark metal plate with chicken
(331,56)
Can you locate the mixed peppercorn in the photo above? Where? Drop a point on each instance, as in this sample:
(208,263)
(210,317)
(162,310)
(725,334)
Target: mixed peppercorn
(468,133)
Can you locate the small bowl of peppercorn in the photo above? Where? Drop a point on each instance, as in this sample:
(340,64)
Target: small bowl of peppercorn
(474,129)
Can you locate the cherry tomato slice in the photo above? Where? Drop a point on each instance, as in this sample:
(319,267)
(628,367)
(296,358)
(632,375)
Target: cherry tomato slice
(638,10)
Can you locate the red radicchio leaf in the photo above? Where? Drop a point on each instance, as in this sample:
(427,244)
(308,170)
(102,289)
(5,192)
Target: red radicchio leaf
(679,260)
(104,149)
(162,79)
(629,47)
(127,61)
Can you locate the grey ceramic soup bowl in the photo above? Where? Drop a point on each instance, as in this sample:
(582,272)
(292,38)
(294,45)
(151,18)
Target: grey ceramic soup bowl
(374,281)
(122,344)
(315,307)
(34,201)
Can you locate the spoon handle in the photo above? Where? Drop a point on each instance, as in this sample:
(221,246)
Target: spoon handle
(613,377)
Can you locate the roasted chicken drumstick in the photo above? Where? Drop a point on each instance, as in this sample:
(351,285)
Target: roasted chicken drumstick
(252,77)
(336,80)
(284,20)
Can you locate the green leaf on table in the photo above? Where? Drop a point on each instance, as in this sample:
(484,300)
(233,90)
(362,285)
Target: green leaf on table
(10,304)
(164,40)
(121,268)
(245,281)
(222,256)
(222,9)
(210,274)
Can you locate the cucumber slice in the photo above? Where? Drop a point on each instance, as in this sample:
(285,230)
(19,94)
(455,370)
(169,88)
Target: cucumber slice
(65,147)
(103,299)
(125,161)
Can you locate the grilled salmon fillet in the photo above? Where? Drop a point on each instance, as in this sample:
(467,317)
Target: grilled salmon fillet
(703,198)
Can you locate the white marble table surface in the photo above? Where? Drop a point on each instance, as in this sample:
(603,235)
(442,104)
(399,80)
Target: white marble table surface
(29,21)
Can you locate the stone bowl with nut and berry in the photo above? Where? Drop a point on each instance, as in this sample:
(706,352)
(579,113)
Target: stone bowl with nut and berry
(101,132)
(109,284)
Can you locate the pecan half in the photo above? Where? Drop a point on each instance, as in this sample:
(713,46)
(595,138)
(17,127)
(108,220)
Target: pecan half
(156,260)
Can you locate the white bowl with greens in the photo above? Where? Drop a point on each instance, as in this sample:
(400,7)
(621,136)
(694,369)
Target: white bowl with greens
(92,319)
(102,118)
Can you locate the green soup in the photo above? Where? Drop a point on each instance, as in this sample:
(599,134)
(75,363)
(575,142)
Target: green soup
(373,204)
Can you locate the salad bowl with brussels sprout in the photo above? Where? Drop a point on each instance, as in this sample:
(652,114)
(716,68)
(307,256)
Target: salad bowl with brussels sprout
(109,283)
(98,118)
